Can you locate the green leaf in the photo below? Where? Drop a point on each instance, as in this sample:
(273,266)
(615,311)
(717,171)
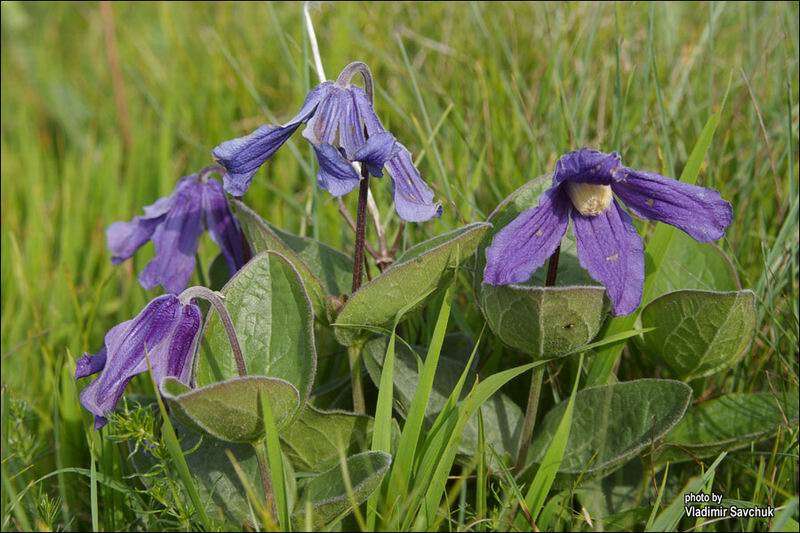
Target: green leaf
(325,270)
(544,322)
(421,271)
(230,410)
(612,424)
(729,422)
(502,417)
(220,488)
(314,440)
(327,492)
(689,264)
(274,323)
(698,333)
(218,273)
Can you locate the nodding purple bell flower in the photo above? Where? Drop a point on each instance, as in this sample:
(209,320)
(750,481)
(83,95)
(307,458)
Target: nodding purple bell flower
(585,183)
(174,224)
(343,128)
(167,330)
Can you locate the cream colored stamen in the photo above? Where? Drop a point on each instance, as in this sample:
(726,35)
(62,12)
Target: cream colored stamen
(590,200)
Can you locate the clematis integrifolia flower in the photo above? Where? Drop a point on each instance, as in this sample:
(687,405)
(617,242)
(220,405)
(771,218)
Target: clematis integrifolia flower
(609,248)
(166,330)
(174,224)
(343,129)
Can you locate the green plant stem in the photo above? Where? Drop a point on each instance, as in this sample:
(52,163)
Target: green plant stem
(361,229)
(354,353)
(216,301)
(530,417)
(532,409)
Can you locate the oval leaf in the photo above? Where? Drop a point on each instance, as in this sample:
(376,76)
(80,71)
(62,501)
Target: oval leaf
(611,424)
(328,492)
(274,323)
(544,322)
(688,264)
(325,270)
(502,417)
(314,440)
(417,274)
(698,333)
(729,422)
(230,410)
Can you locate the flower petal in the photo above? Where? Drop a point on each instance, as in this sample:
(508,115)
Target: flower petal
(698,211)
(124,238)
(336,175)
(125,349)
(351,128)
(524,245)
(323,127)
(243,156)
(90,364)
(173,356)
(367,112)
(176,242)
(586,166)
(413,199)
(222,225)
(610,249)
(378,149)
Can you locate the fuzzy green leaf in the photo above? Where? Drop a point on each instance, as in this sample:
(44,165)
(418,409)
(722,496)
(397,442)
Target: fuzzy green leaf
(698,333)
(314,440)
(729,422)
(612,423)
(418,273)
(325,270)
(230,410)
(327,492)
(274,323)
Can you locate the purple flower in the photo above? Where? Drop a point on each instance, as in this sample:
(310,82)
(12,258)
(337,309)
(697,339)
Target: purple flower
(166,329)
(609,248)
(174,224)
(343,128)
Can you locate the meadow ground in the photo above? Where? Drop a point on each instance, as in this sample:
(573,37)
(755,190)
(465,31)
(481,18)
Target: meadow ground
(103,111)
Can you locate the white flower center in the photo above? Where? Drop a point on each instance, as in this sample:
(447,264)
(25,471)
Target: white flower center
(590,200)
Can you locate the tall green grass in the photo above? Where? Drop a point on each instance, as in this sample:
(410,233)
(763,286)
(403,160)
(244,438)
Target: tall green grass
(486,95)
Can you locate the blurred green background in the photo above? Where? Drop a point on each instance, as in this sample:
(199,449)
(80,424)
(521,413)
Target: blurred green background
(103,109)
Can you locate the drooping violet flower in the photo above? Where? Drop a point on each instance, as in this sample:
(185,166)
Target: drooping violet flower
(609,248)
(343,128)
(174,224)
(167,330)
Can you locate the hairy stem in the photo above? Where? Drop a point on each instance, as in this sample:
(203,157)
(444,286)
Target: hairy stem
(361,229)
(357,67)
(530,417)
(216,301)
(532,408)
(354,353)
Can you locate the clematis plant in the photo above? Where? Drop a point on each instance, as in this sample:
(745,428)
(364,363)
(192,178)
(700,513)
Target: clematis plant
(166,330)
(608,245)
(174,224)
(343,129)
